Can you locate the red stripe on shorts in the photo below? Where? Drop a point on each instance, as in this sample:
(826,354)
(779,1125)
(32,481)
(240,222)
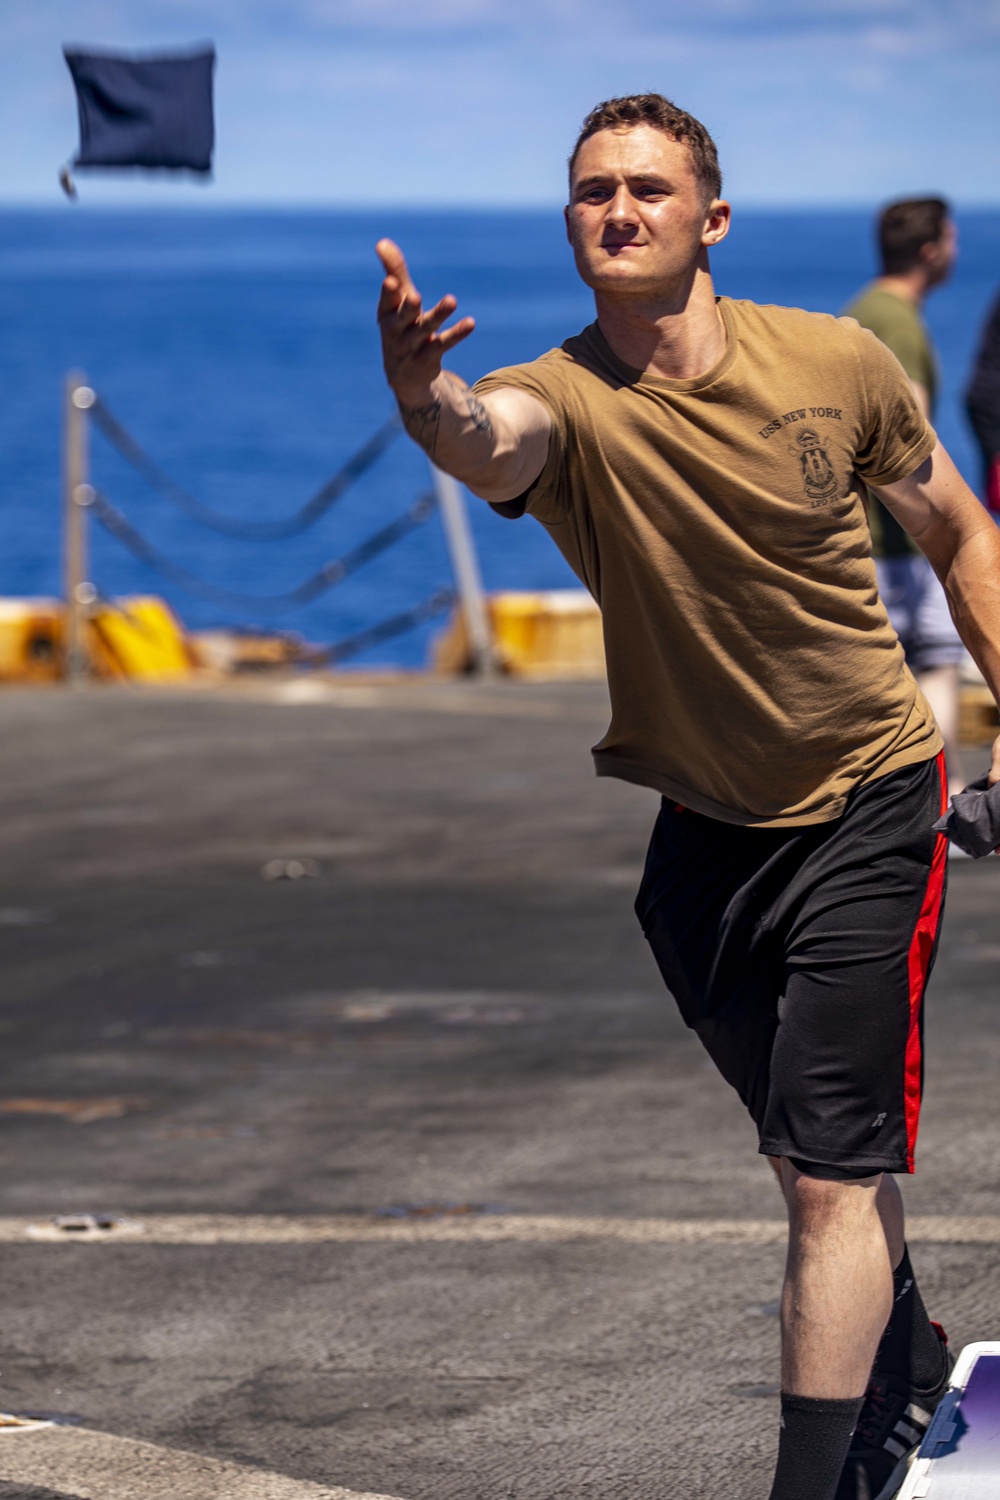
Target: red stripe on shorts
(921,950)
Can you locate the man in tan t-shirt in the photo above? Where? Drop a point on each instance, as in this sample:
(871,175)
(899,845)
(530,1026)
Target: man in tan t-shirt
(701,463)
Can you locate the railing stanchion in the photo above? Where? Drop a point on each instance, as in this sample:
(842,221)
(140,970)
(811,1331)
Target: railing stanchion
(465,566)
(78,592)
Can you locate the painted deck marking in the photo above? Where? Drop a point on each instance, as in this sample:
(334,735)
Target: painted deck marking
(288,1229)
(89,1465)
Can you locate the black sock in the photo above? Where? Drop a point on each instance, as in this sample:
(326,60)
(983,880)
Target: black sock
(815,1436)
(910,1349)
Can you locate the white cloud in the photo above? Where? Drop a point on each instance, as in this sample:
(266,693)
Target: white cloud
(382,100)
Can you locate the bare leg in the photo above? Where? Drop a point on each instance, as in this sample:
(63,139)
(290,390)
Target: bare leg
(940,686)
(890,1211)
(838,1285)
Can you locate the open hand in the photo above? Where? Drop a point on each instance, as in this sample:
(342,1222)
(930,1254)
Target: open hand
(412,346)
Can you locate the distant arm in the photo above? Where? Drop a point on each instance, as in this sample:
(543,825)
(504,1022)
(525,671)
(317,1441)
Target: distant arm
(922,396)
(962,544)
(496,444)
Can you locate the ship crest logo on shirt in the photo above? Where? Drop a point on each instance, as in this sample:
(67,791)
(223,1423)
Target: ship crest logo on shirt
(818,478)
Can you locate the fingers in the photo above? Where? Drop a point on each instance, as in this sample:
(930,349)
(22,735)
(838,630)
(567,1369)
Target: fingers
(453,336)
(420,340)
(995,762)
(408,318)
(389,297)
(411,327)
(399,295)
(394,260)
(398,299)
(411,340)
(430,322)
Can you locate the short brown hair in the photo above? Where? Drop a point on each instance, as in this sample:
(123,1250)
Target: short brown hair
(655,110)
(904,228)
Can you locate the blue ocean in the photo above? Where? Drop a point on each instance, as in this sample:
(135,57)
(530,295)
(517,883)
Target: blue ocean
(240,350)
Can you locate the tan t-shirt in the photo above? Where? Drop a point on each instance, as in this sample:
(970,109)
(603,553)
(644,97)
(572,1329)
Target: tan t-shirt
(719,523)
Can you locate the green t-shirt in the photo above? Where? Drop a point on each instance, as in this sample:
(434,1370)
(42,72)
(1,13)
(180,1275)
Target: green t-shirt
(898,324)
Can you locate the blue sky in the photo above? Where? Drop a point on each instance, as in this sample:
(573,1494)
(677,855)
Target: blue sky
(332,102)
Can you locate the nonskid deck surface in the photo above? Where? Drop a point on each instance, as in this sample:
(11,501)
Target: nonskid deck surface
(438,1198)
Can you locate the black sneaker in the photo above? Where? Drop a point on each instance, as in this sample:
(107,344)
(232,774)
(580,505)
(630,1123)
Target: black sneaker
(890,1429)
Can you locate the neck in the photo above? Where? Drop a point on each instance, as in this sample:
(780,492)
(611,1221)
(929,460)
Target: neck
(910,285)
(677,334)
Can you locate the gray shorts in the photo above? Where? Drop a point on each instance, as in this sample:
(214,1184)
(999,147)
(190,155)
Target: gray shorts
(919,612)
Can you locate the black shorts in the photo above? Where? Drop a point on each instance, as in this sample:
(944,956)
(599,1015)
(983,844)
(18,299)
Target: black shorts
(800,956)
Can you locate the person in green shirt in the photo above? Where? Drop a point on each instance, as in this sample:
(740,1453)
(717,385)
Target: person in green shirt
(918,244)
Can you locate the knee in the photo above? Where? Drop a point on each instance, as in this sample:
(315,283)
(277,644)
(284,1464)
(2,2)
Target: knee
(817,1203)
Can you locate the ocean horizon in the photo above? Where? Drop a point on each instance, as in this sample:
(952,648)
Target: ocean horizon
(239,348)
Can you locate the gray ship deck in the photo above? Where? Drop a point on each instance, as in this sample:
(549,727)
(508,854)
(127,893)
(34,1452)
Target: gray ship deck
(455,1007)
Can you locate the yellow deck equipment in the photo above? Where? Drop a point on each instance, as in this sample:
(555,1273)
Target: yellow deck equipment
(138,638)
(31,640)
(556,635)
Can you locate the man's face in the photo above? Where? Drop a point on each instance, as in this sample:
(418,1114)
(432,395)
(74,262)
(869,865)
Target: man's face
(943,254)
(637,218)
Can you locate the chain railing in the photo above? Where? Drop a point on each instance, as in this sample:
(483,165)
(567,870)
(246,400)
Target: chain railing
(327,577)
(253,531)
(386,630)
(82,499)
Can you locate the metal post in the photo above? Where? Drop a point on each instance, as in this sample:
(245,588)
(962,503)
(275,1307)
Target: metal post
(78,591)
(466,569)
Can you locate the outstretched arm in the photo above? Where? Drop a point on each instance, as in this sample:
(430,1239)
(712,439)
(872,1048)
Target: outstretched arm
(498,444)
(962,544)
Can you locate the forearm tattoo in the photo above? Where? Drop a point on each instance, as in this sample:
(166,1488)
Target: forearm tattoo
(422,423)
(480,416)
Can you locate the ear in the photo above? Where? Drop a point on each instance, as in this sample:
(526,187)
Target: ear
(569,231)
(717,221)
(932,255)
